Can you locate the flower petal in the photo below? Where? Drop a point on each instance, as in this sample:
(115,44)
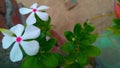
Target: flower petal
(31,48)
(18,29)
(34,5)
(25,10)
(31,32)
(7,41)
(43,7)
(16,53)
(31,19)
(44,16)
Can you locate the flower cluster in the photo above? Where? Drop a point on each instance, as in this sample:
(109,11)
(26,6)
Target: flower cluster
(23,38)
(33,9)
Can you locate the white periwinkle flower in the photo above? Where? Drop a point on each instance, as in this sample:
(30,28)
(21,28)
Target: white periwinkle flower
(21,37)
(33,9)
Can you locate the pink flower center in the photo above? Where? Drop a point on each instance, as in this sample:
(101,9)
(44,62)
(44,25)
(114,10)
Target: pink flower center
(18,39)
(34,10)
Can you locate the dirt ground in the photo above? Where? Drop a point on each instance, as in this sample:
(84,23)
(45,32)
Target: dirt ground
(97,10)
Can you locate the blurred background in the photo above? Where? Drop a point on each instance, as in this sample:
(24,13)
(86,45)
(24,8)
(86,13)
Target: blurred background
(64,18)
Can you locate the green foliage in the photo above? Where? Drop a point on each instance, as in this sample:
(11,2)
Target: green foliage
(69,35)
(116,21)
(78,59)
(45,60)
(79,48)
(88,28)
(50,60)
(69,47)
(115,28)
(43,25)
(47,45)
(118,0)
(77,29)
(31,62)
(93,51)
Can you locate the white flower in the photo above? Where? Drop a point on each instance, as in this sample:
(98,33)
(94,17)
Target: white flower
(20,37)
(33,9)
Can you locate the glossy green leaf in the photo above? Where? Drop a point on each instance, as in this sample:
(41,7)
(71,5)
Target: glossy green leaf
(88,28)
(92,38)
(82,59)
(69,35)
(31,62)
(50,60)
(116,21)
(68,47)
(45,60)
(48,45)
(77,29)
(84,43)
(93,51)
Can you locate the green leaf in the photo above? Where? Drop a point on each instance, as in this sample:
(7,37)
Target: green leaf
(42,37)
(48,45)
(74,65)
(77,29)
(43,25)
(84,43)
(92,38)
(68,47)
(78,59)
(119,0)
(5,31)
(50,60)
(69,59)
(88,28)
(31,62)
(93,51)
(45,60)
(116,21)
(72,57)
(115,29)
(82,59)
(69,35)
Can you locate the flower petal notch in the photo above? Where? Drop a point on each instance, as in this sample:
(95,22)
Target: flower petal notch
(18,36)
(34,10)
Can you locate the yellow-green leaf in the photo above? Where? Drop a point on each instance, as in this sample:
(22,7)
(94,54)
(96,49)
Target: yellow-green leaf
(6,31)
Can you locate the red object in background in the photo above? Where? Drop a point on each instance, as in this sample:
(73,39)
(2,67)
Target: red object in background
(117,8)
(2,24)
(60,42)
(15,16)
(2,7)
